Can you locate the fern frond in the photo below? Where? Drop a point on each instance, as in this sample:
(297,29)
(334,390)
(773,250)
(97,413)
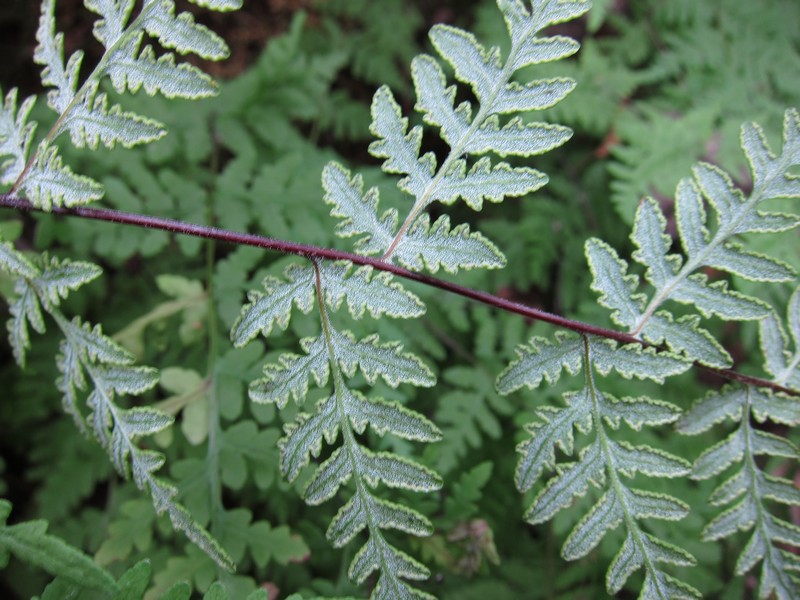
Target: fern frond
(674,277)
(750,486)
(745,492)
(604,462)
(291,375)
(338,354)
(94,366)
(83,109)
(473,133)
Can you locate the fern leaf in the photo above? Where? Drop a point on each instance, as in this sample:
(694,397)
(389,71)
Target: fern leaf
(653,244)
(437,245)
(650,461)
(15,263)
(686,337)
(715,408)
(606,515)
(304,437)
(638,411)
(377,554)
(349,521)
(717,187)
(397,472)
(540,359)
(51,183)
(94,345)
(364,290)
(24,309)
(733,258)
(274,305)
(769,171)
(572,481)
(555,428)
(395,516)
(115,15)
(658,584)
(432,246)
(749,487)
(632,360)
(779,360)
(50,53)
(615,286)
(108,368)
(91,121)
(690,217)
(132,69)
(435,101)
(720,456)
(739,517)
(358,211)
(399,147)
(384,360)
(390,417)
(219,5)
(474,65)
(647,505)
(16,135)
(59,277)
(487,182)
(374,359)
(48,285)
(329,477)
(290,376)
(716,299)
(182,33)
(604,460)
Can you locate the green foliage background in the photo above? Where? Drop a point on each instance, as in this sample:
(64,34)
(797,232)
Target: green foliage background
(660,85)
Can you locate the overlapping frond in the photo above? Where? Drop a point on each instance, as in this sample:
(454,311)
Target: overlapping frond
(604,463)
(494,125)
(745,492)
(336,355)
(95,368)
(675,277)
(84,110)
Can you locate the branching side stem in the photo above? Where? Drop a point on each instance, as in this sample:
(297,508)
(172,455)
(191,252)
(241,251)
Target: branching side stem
(316,252)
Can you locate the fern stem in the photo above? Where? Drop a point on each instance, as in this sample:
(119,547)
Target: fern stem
(214,427)
(316,252)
